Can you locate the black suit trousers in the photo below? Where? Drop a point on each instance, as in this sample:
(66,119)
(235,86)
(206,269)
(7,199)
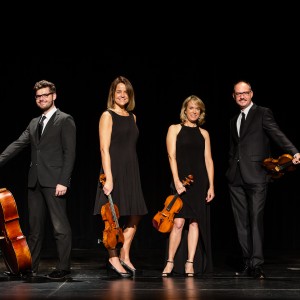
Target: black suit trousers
(39,200)
(248,202)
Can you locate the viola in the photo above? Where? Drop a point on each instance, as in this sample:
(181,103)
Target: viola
(15,251)
(278,167)
(163,221)
(113,237)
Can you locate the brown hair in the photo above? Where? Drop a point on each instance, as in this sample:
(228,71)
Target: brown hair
(130,92)
(45,84)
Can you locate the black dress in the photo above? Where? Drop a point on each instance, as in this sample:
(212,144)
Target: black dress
(127,192)
(190,147)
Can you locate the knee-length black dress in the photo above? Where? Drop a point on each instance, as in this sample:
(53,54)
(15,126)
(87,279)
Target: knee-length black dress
(127,191)
(190,146)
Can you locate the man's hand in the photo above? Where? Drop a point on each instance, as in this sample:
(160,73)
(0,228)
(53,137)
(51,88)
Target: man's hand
(60,190)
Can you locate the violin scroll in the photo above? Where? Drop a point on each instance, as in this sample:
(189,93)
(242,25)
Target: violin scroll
(188,180)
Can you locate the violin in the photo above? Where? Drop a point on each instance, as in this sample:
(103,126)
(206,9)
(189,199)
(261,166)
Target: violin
(278,167)
(163,221)
(113,237)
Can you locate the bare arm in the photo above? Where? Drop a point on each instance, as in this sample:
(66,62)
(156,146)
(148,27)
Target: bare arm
(105,130)
(209,166)
(171,149)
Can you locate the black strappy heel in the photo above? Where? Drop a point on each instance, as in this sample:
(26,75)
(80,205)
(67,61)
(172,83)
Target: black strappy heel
(170,274)
(189,274)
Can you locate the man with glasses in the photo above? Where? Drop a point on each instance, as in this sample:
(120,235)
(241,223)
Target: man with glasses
(52,137)
(247,178)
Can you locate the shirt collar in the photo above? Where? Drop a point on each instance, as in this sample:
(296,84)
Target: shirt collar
(246,110)
(50,113)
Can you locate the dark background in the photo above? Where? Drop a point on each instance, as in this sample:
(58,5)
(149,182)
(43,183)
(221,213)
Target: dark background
(161,82)
(168,52)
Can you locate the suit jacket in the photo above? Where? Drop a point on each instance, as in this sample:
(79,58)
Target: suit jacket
(53,156)
(253,146)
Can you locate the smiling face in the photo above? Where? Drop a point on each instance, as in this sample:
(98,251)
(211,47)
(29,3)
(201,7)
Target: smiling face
(242,95)
(121,95)
(192,112)
(45,99)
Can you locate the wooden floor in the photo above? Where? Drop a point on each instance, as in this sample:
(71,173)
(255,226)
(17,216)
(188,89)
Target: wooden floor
(89,280)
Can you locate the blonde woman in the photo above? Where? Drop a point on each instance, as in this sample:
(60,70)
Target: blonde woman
(189,152)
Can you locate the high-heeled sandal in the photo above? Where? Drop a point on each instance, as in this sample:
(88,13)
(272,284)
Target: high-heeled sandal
(189,274)
(113,272)
(170,274)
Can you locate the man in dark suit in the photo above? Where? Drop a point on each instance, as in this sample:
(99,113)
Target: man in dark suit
(247,178)
(52,162)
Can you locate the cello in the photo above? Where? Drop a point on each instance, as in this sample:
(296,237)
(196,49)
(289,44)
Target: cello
(277,167)
(113,237)
(15,251)
(163,221)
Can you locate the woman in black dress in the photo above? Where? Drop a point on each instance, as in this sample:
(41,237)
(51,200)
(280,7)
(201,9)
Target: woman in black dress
(118,135)
(189,152)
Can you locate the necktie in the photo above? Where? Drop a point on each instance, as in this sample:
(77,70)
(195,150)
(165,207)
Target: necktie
(41,125)
(242,123)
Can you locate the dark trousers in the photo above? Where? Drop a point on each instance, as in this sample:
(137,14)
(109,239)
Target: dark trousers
(248,202)
(39,200)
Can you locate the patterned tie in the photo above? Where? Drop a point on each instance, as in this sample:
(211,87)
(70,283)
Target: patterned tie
(242,123)
(41,125)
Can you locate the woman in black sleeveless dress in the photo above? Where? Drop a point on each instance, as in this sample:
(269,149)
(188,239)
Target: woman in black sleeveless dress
(118,135)
(189,151)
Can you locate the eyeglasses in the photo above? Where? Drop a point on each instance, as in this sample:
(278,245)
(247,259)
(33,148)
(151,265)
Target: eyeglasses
(242,93)
(42,96)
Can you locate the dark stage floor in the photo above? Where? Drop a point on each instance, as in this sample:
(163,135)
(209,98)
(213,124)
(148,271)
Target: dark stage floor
(89,280)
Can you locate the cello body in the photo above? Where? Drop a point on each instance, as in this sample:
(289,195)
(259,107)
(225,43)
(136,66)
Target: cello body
(14,248)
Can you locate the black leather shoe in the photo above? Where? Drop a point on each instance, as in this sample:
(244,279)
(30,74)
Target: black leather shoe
(29,274)
(58,274)
(12,275)
(246,271)
(24,275)
(259,273)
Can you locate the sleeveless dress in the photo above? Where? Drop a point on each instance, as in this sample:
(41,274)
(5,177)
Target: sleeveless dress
(190,147)
(127,192)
